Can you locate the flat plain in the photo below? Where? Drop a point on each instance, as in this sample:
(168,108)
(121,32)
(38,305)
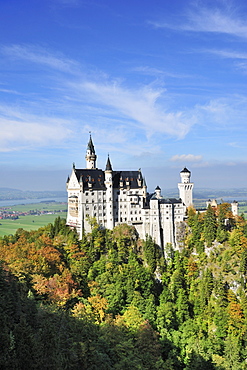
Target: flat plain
(31,221)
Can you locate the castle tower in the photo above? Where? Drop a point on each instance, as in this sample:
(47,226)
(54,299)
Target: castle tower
(185,187)
(91,156)
(109,194)
(234,206)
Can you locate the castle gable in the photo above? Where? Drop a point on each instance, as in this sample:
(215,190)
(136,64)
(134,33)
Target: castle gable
(91,178)
(73,181)
(127,179)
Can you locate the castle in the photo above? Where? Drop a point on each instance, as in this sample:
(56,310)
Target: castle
(116,197)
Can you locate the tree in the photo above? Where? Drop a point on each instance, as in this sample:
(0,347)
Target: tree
(210,226)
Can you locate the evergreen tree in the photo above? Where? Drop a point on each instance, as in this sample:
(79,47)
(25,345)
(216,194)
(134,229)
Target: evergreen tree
(210,226)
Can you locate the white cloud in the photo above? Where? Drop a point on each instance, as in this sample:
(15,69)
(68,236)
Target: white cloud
(213,20)
(186,158)
(229,54)
(224,113)
(40,55)
(20,130)
(150,71)
(235,55)
(140,106)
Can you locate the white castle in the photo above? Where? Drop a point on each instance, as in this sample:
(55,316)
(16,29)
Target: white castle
(117,197)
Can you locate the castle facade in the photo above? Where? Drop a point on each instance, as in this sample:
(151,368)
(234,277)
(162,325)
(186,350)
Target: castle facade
(116,197)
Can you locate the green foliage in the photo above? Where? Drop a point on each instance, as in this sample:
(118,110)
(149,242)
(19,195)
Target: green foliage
(151,253)
(111,301)
(210,226)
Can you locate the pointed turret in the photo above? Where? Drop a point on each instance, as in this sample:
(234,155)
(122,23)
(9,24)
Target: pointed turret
(158,192)
(91,156)
(108,166)
(90,145)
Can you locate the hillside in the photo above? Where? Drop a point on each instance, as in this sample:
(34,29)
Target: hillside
(112,301)
(14,194)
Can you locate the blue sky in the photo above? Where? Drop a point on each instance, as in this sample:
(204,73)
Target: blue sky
(160,84)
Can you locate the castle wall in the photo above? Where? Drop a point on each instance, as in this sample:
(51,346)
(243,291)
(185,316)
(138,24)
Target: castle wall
(123,199)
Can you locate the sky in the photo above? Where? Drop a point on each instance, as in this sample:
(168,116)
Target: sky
(159,84)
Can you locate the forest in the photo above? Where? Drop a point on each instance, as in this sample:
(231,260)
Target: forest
(113,301)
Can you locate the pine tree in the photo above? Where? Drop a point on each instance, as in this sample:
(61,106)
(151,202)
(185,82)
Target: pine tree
(210,226)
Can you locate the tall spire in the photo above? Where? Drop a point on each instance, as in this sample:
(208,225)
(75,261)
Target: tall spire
(91,156)
(108,164)
(90,145)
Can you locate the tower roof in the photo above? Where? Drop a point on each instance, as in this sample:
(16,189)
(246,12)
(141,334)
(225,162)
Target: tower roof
(90,145)
(108,164)
(185,170)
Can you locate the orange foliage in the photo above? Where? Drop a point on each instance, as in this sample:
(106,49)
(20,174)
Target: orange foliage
(58,288)
(192,267)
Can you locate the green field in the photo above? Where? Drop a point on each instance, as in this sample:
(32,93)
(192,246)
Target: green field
(32,222)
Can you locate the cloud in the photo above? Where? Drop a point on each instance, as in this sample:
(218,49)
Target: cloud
(186,158)
(38,55)
(229,54)
(223,113)
(140,106)
(20,130)
(150,71)
(236,145)
(233,55)
(212,20)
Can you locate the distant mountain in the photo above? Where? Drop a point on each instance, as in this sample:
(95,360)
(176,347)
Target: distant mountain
(14,194)
(210,193)
(198,194)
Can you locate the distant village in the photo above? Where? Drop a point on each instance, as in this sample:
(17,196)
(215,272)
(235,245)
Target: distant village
(8,213)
